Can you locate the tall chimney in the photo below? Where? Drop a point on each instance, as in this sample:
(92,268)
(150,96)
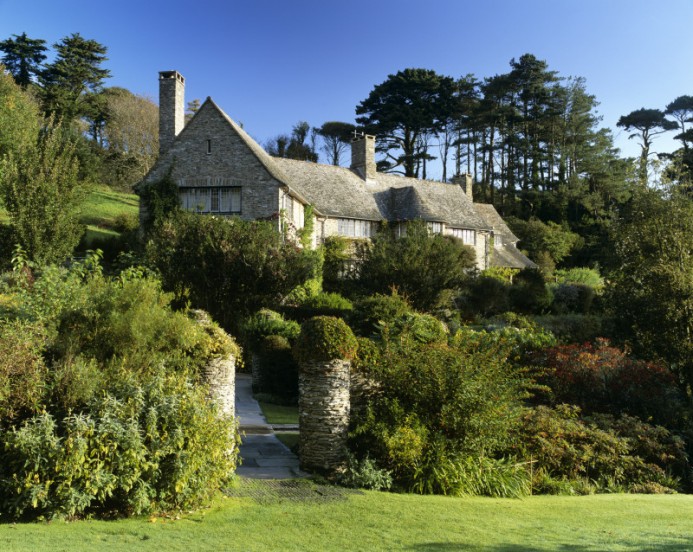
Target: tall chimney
(465,182)
(363,156)
(171,108)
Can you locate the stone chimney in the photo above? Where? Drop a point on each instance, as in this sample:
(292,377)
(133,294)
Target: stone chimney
(465,182)
(363,156)
(171,108)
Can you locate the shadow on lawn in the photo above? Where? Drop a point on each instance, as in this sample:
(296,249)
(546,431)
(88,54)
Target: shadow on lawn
(673,545)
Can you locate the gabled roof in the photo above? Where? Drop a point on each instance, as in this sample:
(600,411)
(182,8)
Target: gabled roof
(503,234)
(341,192)
(510,256)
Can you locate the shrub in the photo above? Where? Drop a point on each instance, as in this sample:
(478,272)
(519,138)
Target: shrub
(267,322)
(574,455)
(601,378)
(420,265)
(582,276)
(321,304)
(435,405)
(377,311)
(572,328)
(487,296)
(227,267)
(576,298)
(529,293)
(325,338)
(365,474)
(22,369)
(278,371)
(120,423)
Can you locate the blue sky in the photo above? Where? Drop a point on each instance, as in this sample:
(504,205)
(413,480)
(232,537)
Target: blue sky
(271,63)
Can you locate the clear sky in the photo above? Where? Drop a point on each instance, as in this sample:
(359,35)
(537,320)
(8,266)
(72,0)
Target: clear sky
(271,63)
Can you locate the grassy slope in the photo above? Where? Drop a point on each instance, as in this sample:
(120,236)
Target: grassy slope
(99,211)
(380,521)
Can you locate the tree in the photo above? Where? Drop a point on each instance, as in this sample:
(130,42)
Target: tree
(23,58)
(336,137)
(131,136)
(651,293)
(401,110)
(420,265)
(648,123)
(42,194)
(19,116)
(230,268)
(73,77)
(294,146)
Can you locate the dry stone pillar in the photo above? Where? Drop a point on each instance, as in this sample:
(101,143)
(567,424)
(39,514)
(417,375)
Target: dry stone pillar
(323,414)
(220,371)
(324,350)
(220,375)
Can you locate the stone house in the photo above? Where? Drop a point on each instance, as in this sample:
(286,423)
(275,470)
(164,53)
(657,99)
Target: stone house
(221,170)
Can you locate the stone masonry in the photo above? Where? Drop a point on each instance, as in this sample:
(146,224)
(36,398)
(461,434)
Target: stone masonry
(323,415)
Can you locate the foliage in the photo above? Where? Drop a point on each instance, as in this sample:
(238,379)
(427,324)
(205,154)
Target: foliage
(336,137)
(266,322)
(159,200)
(434,406)
(19,118)
(227,267)
(377,311)
(537,237)
(71,80)
(305,234)
(42,194)
(401,110)
(576,298)
(601,378)
(365,474)
(486,296)
(325,338)
(294,146)
(651,291)
(529,293)
(120,423)
(278,370)
(419,265)
(586,458)
(580,275)
(23,58)
(337,252)
(573,328)
(22,369)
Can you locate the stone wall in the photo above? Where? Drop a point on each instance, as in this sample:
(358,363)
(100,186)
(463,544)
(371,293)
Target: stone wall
(323,414)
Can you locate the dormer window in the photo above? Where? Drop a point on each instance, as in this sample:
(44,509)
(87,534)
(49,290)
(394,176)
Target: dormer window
(209,147)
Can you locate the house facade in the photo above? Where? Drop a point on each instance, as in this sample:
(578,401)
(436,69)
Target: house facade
(221,170)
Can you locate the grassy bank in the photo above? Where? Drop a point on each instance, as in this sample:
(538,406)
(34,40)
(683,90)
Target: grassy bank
(380,521)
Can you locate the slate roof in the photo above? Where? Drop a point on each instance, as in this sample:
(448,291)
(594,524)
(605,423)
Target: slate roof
(511,257)
(500,229)
(340,192)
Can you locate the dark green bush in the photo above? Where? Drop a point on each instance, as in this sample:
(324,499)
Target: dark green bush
(325,338)
(419,265)
(321,304)
(573,328)
(487,296)
(278,370)
(529,293)
(376,311)
(575,298)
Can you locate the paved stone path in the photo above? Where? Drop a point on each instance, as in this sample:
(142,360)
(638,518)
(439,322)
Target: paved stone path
(264,456)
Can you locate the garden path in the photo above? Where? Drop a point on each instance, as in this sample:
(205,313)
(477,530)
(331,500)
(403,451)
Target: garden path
(263,455)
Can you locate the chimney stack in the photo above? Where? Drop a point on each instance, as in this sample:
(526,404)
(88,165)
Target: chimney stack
(363,156)
(465,182)
(171,108)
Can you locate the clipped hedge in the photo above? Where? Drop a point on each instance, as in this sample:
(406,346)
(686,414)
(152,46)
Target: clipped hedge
(325,338)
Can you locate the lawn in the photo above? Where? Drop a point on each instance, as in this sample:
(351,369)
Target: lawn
(101,211)
(382,521)
(279,414)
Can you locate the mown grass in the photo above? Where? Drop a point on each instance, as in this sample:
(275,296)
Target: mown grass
(279,414)
(100,211)
(381,521)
